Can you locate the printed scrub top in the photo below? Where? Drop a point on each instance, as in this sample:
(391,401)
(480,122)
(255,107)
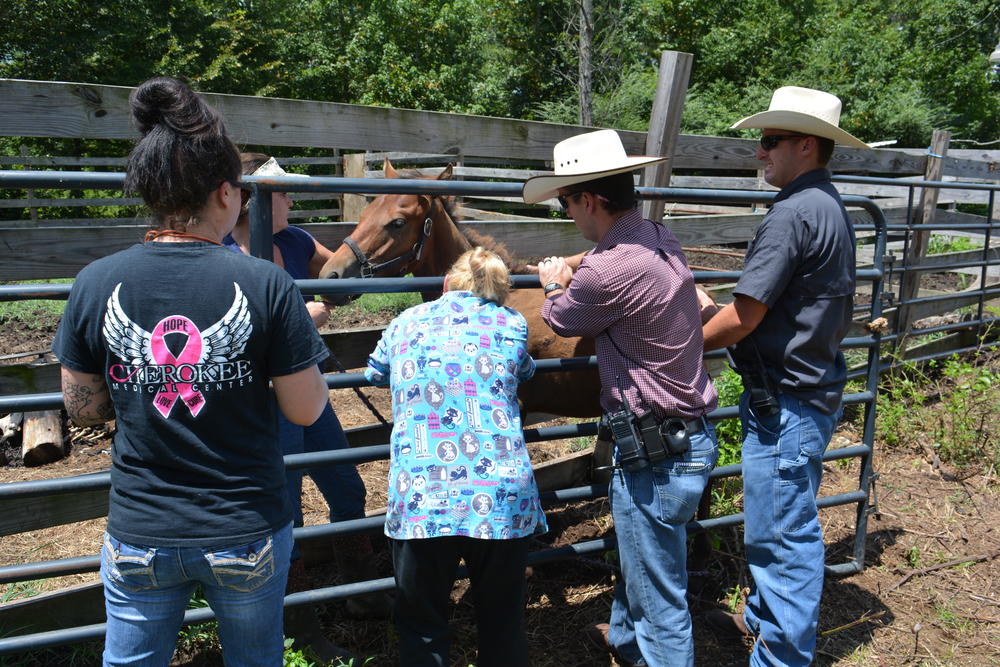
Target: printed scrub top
(459,465)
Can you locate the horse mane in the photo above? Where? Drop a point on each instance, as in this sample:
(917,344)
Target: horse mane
(450,204)
(476,239)
(491,244)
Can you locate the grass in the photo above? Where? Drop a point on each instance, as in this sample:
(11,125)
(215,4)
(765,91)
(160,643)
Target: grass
(392,303)
(34,313)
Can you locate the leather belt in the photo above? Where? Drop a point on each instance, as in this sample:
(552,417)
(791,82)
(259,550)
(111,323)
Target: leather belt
(695,425)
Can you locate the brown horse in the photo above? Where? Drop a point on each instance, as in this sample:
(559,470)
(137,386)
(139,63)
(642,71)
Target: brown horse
(400,234)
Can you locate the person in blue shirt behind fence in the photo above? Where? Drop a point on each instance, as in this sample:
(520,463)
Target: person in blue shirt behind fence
(302,257)
(460,480)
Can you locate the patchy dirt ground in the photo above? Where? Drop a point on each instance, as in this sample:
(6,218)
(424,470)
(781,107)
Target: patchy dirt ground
(930,593)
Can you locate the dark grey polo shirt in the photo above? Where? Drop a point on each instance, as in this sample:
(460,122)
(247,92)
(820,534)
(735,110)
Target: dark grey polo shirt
(801,265)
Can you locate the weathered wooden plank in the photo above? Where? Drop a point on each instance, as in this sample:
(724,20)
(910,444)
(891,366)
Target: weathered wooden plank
(23,514)
(70,202)
(965,162)
(60,161)
(919,311)
(900,191)
(36,378)
(61,109)
(349,347)
(65,608)
(696,152)
(60,252)
(479,173)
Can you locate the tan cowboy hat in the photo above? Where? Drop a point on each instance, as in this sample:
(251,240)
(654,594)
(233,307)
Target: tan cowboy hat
(585,157)
(803,110)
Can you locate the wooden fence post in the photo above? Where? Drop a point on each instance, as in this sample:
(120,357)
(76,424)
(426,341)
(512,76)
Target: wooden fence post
(918,244)
(32,211)
(665,124)
(354,167)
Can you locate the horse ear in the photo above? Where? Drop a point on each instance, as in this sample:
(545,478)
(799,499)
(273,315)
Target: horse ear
(390,171)
(446,172)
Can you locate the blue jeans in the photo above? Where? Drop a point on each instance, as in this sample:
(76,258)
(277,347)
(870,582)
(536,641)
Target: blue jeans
(146,590)
(782,470)
(650,623)
(340,484)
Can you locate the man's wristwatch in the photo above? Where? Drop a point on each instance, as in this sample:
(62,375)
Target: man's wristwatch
(552,287)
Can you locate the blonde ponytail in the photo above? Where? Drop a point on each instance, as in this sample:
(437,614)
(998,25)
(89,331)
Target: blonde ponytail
(481,272)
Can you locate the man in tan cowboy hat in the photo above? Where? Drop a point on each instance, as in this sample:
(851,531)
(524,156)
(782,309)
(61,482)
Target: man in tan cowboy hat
(636,296)
(791,310)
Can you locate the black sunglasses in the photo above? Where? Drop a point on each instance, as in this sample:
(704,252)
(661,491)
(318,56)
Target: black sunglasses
(564,199)
(771,141)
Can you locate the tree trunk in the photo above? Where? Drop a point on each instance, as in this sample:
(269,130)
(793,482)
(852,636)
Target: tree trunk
(586,63)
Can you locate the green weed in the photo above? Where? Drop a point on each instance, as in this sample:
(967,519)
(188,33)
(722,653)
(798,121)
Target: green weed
(18,590)
(940,244)
(948,407)
(729,384)
(948,618)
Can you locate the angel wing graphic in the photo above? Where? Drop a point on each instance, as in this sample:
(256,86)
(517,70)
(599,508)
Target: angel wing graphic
(125,338)
(222,341)
(228,337)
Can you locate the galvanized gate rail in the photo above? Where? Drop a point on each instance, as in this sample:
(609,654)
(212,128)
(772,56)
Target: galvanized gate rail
(260,212)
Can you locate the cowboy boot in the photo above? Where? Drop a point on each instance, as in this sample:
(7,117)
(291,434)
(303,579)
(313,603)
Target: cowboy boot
(355,560)
(302,621)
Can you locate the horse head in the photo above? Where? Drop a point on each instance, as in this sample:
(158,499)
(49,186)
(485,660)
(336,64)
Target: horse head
(399,234)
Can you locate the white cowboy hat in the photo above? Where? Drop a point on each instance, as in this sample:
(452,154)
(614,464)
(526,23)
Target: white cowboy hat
(582,158)
(272,168)
(803,110)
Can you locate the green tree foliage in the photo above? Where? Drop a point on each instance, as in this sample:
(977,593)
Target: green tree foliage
(902,67)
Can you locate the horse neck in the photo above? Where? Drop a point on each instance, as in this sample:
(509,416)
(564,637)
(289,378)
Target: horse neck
(445,244)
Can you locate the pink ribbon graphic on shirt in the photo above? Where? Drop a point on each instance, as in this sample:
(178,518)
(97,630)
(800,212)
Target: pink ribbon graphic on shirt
(189,355)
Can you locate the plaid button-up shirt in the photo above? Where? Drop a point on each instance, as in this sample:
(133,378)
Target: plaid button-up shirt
(635,294)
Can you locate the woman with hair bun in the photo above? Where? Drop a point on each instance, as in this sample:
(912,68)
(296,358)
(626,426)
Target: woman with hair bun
(177,339)
(460,480)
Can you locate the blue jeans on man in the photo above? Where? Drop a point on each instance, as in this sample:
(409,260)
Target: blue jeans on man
(650,623)
(147,589)
(782,471)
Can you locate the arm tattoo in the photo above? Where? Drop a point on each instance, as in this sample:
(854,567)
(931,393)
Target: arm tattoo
(87,405)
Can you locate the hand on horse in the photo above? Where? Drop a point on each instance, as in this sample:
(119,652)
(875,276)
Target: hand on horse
(706,305)
(554,270)
(319,311)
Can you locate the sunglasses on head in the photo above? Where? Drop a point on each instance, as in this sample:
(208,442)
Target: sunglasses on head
(771,141)
(564,199)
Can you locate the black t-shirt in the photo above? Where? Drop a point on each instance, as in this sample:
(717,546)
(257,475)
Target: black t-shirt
(800,264)
(186,336)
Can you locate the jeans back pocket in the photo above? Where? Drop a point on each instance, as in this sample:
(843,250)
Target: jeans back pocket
(128,566)
(243,568)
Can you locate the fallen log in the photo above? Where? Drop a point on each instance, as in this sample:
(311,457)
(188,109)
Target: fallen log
(42,438)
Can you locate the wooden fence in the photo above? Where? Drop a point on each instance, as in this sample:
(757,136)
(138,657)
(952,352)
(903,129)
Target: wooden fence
(482,148)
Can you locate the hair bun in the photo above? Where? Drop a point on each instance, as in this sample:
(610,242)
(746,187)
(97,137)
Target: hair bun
(167,101)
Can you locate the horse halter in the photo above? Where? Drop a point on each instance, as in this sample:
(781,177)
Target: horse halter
(368,270)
